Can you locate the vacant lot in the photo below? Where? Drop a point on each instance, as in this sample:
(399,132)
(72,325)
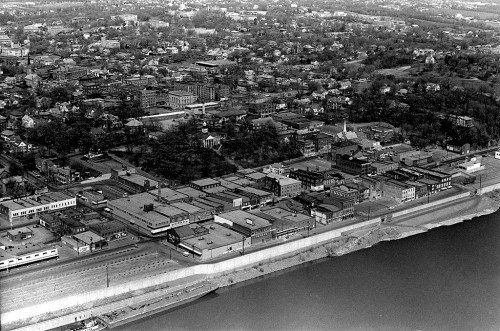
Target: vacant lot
(396,72)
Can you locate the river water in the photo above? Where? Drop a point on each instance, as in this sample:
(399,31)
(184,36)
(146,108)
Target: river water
(444,279)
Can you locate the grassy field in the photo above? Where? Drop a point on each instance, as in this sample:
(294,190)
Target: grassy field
(481,15)
(396,72)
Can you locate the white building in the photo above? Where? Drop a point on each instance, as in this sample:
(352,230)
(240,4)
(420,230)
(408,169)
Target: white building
(30,208)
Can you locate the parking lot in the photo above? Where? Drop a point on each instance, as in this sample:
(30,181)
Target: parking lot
(40,236)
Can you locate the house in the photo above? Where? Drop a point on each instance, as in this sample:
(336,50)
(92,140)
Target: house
(232,115)
(7,135)
(134,125)
(32,80)
(209,140)
(432,87)
(261,107)
(17,145)
(458,147)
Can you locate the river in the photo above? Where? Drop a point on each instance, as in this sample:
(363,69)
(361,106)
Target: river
(444,279)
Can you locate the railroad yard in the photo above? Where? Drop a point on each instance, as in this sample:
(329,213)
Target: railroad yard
(36,285)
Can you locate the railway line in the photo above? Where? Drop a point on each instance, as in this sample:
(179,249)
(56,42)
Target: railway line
(55,286)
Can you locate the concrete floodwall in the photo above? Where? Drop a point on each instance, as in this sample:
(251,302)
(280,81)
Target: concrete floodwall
(431,204)
(220,267)
(487,189)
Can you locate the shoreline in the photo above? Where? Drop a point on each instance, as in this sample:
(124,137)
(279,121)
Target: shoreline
(355,241)
(339,247)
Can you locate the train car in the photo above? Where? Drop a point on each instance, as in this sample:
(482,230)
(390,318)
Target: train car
(19,256)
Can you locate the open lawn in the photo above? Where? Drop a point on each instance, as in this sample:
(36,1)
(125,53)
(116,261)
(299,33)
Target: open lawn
(481,15)
(396,72)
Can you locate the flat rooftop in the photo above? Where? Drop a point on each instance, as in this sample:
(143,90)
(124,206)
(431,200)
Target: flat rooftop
(276,212)
(256,175)
(229,185)
(107,226)
(241,181)
(88,237)
(19,230)
(255,191)
(216,189)
(218,236)
(35,200)
(139,179)
(187,207)
(240,217)
(432,172)
(191,192)
(205,182)
(160,212)
(168,194)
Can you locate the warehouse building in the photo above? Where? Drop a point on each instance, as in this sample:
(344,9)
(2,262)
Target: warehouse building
(249,225)
(30,208)
(209,241)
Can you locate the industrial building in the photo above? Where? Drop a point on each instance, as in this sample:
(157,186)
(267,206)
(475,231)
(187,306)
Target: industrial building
(249,225)
(134,181)
(19,234)
(208,241)
(84,242)
(145,212)
(30,208)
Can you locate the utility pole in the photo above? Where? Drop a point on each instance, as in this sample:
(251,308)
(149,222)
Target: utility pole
(243,241)
(107,276)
